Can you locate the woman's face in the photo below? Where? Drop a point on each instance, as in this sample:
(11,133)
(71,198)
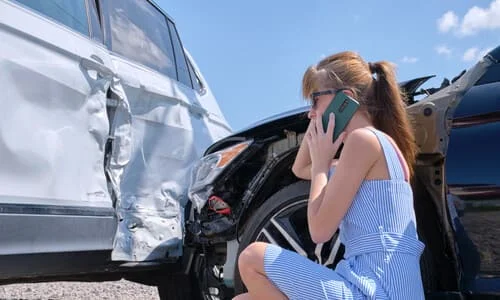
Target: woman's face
(319,105)
(321,102)
(321,99)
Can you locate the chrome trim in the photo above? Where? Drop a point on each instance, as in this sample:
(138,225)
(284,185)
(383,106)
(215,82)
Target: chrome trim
(152,2)
(289,238)
(269,237)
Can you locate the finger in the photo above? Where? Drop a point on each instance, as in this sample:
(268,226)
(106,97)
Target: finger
(343,135)
(310,141)
(340,140)
(313,127)
(319,125)
(309,136)
(310,125)
(331,124)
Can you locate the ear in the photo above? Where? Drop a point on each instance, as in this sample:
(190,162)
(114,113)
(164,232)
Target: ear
(348,92)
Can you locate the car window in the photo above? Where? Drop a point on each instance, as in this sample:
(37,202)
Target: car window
(197,85)
(95,22)
(180,59)
(72,13)
(139,31)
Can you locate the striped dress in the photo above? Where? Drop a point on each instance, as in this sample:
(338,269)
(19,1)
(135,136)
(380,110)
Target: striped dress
(382,249)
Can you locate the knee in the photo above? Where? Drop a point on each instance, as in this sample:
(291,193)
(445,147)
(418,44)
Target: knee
(252,257)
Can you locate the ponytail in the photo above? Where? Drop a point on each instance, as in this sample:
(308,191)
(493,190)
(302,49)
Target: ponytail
(388,110)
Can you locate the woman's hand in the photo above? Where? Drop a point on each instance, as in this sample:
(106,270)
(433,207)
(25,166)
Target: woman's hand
(302,164)
(321,147)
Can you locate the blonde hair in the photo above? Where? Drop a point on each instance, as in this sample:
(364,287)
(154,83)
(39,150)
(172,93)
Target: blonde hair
(379,95)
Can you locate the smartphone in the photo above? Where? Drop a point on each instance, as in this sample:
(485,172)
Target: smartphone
(344,108)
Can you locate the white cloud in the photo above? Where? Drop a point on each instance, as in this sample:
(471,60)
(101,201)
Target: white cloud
(475,54)
(443,50)
(470,54)
(410,60)
(477,19)
(447,21)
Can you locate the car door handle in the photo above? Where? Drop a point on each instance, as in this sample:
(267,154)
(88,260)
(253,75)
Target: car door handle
(90,64)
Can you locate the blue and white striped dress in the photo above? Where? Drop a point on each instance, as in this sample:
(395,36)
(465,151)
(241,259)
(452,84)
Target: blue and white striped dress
(382,254)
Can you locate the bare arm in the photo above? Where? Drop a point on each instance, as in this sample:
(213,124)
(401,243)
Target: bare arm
(302,164)
(330,200)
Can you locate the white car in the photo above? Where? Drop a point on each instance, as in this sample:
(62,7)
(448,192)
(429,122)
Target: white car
(103,114)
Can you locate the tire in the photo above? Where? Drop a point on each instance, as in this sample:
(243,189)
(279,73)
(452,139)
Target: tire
(289,198)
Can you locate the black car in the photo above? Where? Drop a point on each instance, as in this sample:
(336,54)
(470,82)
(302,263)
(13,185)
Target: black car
(254,195)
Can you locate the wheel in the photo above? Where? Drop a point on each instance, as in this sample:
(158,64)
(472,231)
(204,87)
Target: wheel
(282,220)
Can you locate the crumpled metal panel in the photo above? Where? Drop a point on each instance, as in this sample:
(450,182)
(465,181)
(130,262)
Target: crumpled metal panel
(52,135)
(152,155)
(54,131)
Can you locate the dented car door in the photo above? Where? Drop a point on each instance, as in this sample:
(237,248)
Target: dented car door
(54,74)
(164,122)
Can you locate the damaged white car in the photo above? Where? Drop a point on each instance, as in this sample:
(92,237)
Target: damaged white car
(116,162)
(102,115)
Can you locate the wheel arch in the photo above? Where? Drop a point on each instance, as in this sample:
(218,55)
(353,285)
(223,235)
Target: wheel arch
(275,175)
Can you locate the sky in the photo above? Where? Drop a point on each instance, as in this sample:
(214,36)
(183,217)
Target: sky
(253,53)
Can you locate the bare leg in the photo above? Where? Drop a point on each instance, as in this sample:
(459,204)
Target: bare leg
(251,266)
(245,296)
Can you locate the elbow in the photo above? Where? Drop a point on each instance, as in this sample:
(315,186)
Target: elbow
(320,235)
(319,238)
(300,172)
(295,170)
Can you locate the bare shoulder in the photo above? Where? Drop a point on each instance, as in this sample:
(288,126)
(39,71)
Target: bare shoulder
(362,142)
(361,152)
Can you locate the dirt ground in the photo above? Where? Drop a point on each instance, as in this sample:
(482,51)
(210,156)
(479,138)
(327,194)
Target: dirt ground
(79,290)
(481,228)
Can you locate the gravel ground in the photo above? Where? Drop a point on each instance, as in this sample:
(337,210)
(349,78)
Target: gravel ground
(483,230)
(122,289)
(478,225)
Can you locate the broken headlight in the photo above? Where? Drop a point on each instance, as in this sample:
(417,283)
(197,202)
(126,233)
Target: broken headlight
(207,169)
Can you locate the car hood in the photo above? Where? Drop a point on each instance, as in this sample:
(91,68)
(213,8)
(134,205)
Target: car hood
(294,119)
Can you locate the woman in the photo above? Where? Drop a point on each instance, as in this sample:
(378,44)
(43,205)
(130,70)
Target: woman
(368,197)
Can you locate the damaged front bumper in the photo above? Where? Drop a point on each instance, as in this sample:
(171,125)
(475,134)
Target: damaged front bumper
(208,168)
(210,215)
